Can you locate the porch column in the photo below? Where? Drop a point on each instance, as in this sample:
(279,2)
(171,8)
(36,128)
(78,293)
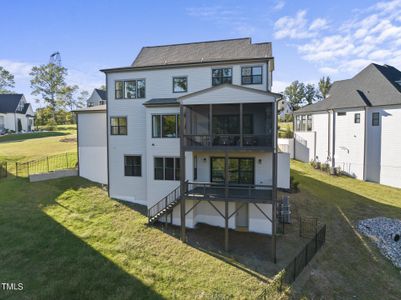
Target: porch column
(241,123)
(182,172)
(211,124)
(274,183)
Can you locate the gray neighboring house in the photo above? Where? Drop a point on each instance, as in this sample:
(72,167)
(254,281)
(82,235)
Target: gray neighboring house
(16,113)
(357,127)
(98,97)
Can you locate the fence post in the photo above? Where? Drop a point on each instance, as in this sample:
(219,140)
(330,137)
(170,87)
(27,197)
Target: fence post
(66,157)
(48,169)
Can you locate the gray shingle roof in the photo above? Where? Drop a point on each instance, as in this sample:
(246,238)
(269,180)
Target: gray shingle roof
(9,102)
(202,52)
(375,85)
(162,102)
(102,94)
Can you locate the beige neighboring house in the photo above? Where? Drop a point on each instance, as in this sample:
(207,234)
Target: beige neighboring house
(16,114)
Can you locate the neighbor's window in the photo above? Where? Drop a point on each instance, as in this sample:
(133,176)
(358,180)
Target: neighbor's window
(130,89)
(180,84)
(167,168)
(303,123)
(166,126)
(132,166)
(375,119)
(251,75)
(118,125)
(341,113)
(357,118)
(222,75)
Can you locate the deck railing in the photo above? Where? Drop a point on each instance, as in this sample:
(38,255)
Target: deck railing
(228,140)
(210,191)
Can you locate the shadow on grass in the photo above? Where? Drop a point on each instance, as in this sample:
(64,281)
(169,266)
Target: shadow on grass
(47,258)
(31,135)
(341,266)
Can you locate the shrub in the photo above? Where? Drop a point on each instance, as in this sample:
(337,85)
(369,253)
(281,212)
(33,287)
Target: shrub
(325,167)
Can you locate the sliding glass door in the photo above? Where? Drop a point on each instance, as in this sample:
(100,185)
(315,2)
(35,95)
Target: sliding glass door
(240,170)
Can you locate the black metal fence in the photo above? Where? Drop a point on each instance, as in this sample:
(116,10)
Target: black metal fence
(295,267)
(46,164)
(3,169)
(308,226)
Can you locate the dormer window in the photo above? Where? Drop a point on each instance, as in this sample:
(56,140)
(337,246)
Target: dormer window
(222,75)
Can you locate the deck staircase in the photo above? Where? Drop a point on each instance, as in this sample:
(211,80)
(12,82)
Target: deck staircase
(164,206)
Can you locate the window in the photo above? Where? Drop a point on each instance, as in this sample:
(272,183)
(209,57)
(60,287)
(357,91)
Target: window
(165,126)
(167,168)
(180,84)
(222,75)
(357,118)
(130,89)
(341,113)
(303,123)
(132,166)
(195,167)
(230,124)
(118,125)
(240,170)
(375,119)
(251,75)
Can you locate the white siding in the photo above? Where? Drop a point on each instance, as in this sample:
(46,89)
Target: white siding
(349,142)
(92,137)
(373,144)
(390,158)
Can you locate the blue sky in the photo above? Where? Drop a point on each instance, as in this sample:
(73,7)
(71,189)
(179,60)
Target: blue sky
(310,38)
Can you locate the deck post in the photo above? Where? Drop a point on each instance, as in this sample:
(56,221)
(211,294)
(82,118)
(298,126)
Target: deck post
(182,173)
(226,227)
(274,185)
(210,125)
(241,124)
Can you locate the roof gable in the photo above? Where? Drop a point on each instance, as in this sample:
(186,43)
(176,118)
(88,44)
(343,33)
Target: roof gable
(9,102)
(202,52)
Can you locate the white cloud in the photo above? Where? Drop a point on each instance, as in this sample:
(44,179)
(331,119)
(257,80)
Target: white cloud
(17,68)
(279,5)
(298,27)
(371,35)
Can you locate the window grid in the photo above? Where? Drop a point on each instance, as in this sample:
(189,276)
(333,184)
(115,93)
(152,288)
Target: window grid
(375,119)
(251,75)
(133,165)
(222,75)
(167,168)
(161,128)
(357,118)
(180,84)
(130,89)
(118,126)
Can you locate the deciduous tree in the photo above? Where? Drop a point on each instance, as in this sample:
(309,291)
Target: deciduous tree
(6,81)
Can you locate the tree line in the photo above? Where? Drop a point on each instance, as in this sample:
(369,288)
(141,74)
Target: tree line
(299,94)
(49,85)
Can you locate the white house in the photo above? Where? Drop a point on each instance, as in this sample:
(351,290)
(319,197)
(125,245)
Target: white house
(98,97)
(357,128)
(197,120)
(284,108)
(15,113)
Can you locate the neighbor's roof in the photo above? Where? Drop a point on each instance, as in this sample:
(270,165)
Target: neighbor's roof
(375,85)
(26,106)
(102,94)
(98,108)
(162,102)
(199,53)
(9,102)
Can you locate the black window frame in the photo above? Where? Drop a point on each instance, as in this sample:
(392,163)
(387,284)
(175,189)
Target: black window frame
(175,172)
(357,118)
(160,131)
(122,91)
(375,119)
(341,113)
(240,171)
(134,169)
(186,81)
(252,76)
(222,77)
(119,131)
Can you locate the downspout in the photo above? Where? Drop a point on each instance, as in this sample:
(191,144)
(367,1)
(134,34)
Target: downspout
(328,135)
(107,140)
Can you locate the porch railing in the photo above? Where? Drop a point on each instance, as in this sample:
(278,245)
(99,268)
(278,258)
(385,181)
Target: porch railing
(229,140)
(247,192)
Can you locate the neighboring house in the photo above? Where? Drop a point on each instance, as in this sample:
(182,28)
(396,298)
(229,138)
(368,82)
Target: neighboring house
(284,108)
(15,113)
(357,128)
(197,120)
(98,97)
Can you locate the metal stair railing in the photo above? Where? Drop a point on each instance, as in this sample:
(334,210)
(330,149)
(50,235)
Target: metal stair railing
(164,206)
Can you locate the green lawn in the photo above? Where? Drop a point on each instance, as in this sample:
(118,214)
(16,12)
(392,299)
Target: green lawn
(284,127)
(65,239)
(350,265)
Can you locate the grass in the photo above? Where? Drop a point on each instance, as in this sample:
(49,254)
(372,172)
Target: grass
(283,128)
(350,265)
(65,239)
